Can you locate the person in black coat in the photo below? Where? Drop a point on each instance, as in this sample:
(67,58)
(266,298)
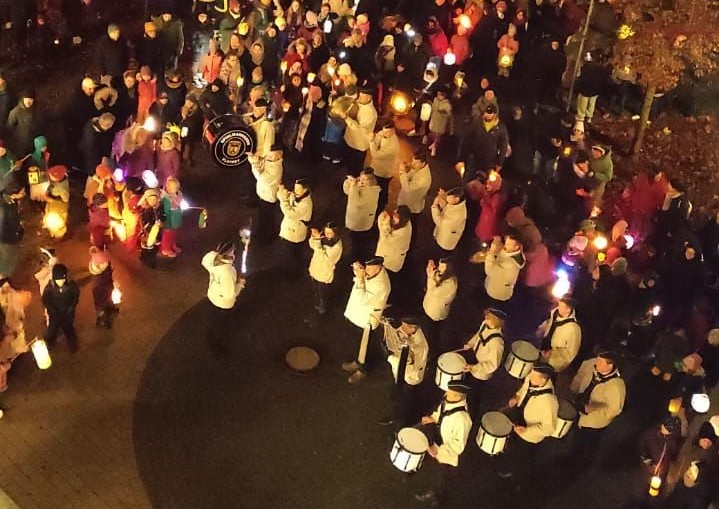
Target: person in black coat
(411,63)
(191,127)
(7,101)
(484,148)
(60,299)
(127,98)
(214,100)
(96,141)
(694,491)
(102,287)
(11,229)
(549,69)
(521,138)
(149,50)
(111,55)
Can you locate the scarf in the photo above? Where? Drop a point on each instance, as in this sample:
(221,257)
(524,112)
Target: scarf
(304,124)
(488,126)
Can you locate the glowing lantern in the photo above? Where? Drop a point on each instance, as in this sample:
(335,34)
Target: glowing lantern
(342,55)
(285,106)
(409,30)
(675,404)
(629,241)
(41,354)
(245,236)
(493,176)
(601,257)
(460,167)
(567,151)
(116,296)
(202,219)
(701,403)
(506,58)
(327,26)
(561,285)
(118,175)
(465,21)
(654,484)
(400,103)
(330,70)
(243,28)
(425,112)
(283,66)
(450,58)
(54,222)
(120,231)
(600,242)
(624,32)
(311,77)
(184,132)
(305,91)
(656,310)
(240,81)
(338,82)
(150,179)
(596,211)
(184,204)
(459,79)
(150,124)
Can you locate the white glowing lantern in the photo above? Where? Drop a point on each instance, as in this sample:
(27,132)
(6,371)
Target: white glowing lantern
(654,484)
(118,175)
(425,112)
(656,310)
(311,77)
(150,179)
(327,26)
(120,231)
(116,296)
(150,124)
(465,21)
(240,81)
(701,403)
(41,354)
(600,242)
(629,241)
(561,286)
(184,204)
(305,91)
(184,132)
(246,237)
(450,58)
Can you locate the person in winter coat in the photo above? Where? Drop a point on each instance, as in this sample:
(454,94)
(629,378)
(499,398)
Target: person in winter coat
(176,91)
(449,214)
(170,31)
(436,38)
(503,263)
(439,294)
(202,34)
(263,127)
(37,167)
(102,287)
(7,101)
(561,335)
(152,218)
(211,63)
(149,50)
(60,299)
(395,236)
(362,198)
(659,446)
(172,208)
(589,84)
(326,252)
(215,100)
(508,47)
(11,229)
(683,275)
(229,23)
(268,173)
(601,391)
(57,199)
(96,141)
(411,65)
(99,221)
(127,99)
(539,270)
(111,55)
(168,157)
(440,120)
(385,61)
(359,132)
(191,127)
(484,148)
(415,180)
(222,292)
(384,157)
(695,490)
(491,200)
(296,207)
(146,93)
(8,166)
(602,169)
(23,124)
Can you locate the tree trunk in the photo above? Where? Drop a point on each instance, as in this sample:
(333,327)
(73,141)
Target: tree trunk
(643,119)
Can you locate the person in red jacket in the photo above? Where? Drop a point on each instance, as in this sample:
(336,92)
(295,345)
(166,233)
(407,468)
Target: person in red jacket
(491,200)
(645,197)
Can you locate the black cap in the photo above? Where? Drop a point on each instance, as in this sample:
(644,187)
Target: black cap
(498,313)
(411,320)
(609,355)
(706,430)
(491,109)
(377,260)
(544,368)
(459,386)
(59,271)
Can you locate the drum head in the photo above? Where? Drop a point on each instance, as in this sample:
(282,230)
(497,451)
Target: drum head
(496,424)
(566,410)
(231,141)
(451,362)
(413,440)
(525,351)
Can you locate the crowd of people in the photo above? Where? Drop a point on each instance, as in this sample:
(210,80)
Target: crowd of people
(478,85)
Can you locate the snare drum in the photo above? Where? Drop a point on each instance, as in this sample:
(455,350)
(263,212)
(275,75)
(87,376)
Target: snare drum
(565,418)
(521,359)
(450,366)
(494,428)
(408,450)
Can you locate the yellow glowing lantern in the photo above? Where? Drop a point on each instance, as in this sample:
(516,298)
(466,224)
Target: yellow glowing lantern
(400,103)
(675,404)
(625,32)
(330,70)
(41,354)
(506,58)
(311,77)
(654,484)
(151,239)
(465,21)
(285,106)
(425,112)
(601,257)
(600,242)
(283,66)
(120,231)
(53,222)
(244,28)
(459,79)
(460,168)
(493,176)
(116,296)
(240,81)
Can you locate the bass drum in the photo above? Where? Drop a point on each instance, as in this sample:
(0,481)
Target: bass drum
(229,139)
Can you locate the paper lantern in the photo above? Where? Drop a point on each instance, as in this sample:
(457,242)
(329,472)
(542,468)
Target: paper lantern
(629,241)
(240,81)
(54,222)
(561,286)
(425,112)
(459,79)
(116,296)
(506,60)
(400,103)
(654,484)
(675,404)
(327,26)
(600,242)
(656,310)
(118,175)
(243,28)
(701,403)
(41,354)
(150,124)
(311,77)
(305,91)
(460,167)
(150,179)
(283,66)
(465,21)
(625,32)
(450,58)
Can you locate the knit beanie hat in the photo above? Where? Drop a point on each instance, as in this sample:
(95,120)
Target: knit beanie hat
(59,271)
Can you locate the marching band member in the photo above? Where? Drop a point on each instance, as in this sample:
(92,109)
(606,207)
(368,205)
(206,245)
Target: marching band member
(533,411)
(296,206)
(503,263)
(408,368)
(384,150)
(600,391)
(326,252)
(367,300)
(415,180)
(449,213)
(360,131)
(395,235)
(362,198)
(440,292)
(562,335)
(268,174)
(487,347)
(447,429)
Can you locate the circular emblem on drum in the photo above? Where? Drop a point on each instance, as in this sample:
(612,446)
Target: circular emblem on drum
(230,141)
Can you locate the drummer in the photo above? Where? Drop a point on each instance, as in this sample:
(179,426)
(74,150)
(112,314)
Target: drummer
(447,429)
(533,411)
(561,335)
(408,370)
(485,350)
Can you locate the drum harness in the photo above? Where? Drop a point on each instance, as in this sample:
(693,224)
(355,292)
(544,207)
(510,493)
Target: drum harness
(437,435)
(481,341)
(583,398)
(517,413)
(547,341)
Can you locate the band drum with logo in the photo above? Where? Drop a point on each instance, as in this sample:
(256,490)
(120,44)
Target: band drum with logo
(229,140)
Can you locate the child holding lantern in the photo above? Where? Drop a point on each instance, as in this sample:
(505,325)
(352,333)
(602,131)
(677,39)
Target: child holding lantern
(99,223)
(102,287)
(172,208)
(440,120)
(151,219)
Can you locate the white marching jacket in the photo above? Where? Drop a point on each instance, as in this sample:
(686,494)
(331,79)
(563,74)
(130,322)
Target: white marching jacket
(323,261)
(540,413)
(368,299)
(502,272)
(268,173)
(606,400)
(296,216)
(359,132)
(454,431)
(416,360)
(265,134)
(385,155)
(488,347)
(438,297)
(566,340)
(393,245)
(449,222)
(361,206)
(414,185)
(223,288)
